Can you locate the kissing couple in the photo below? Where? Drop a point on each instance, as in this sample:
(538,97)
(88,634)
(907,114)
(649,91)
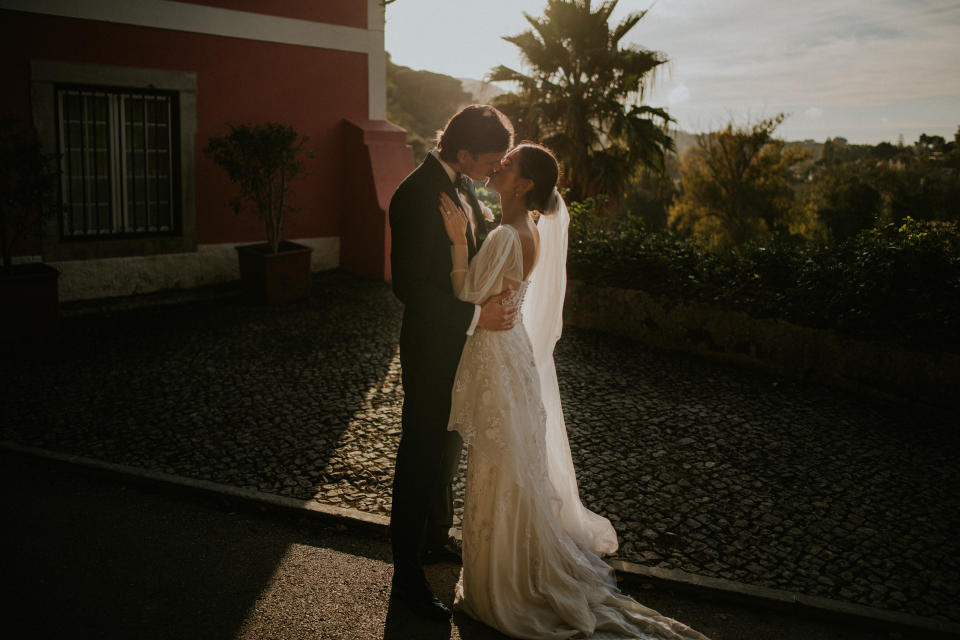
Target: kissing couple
(481,317)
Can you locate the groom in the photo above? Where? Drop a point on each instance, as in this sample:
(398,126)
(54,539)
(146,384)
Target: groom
(435,326)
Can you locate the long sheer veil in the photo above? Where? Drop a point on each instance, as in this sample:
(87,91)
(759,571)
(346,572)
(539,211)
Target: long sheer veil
(542,312)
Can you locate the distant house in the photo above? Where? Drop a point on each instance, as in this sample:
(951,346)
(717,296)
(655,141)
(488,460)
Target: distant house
(127,93)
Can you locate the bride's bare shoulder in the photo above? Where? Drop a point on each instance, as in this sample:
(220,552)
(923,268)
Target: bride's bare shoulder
(529,239)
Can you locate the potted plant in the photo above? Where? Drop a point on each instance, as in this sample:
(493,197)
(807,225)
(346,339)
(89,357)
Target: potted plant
(263,159)
(29,301)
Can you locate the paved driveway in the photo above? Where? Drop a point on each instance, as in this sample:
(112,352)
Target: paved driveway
(108,558)
(703,467)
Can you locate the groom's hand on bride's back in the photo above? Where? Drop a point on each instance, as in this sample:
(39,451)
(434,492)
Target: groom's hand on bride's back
(495,316)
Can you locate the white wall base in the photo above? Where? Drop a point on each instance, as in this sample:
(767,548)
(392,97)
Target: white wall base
(210,264)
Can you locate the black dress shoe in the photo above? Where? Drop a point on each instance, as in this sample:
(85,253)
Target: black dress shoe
(420,600)
(447,552)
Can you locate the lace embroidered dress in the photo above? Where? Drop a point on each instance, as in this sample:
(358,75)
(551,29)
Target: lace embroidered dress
(531,550)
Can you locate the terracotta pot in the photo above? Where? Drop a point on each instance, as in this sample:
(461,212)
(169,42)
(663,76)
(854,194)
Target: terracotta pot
(29,301)
(273,278)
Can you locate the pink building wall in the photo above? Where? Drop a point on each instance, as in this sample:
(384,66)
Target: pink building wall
(312,89)
(329,94)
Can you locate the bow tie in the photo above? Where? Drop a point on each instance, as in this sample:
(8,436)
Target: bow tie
(460,183)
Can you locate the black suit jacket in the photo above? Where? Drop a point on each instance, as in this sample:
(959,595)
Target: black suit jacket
(435,321)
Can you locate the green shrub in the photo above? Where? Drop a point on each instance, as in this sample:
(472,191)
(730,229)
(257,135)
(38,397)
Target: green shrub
(897,283)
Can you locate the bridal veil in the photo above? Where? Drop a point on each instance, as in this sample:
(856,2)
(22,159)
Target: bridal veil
(542,312)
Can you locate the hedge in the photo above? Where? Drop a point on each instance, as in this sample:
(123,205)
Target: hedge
(898,283)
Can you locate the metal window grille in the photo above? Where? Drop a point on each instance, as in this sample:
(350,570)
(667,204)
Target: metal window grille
(118,162)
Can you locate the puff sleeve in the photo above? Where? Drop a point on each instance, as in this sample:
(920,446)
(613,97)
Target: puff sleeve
(498,264)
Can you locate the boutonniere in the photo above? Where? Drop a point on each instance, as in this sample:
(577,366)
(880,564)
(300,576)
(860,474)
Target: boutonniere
(486,213)
(485,223)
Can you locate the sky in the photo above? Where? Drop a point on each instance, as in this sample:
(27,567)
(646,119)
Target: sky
(866,70)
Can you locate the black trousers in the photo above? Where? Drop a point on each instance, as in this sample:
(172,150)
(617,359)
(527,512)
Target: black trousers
(427,461)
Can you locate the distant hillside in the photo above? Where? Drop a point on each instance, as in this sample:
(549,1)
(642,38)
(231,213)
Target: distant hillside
(421,102)
(685,140)
(815,148)
(482,92)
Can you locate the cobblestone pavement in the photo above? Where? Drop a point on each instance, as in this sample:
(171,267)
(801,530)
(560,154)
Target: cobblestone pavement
(703,467)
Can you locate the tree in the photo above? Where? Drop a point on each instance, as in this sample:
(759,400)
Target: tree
(837,151)
(884,151)
(923,190)
(930,144)
(28,186)
(953,152)
(845,201)
(583,96)
(263,159)
(737,186)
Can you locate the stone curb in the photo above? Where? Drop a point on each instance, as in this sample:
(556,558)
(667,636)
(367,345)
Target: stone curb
(798,603)
(720,588)
(336,515)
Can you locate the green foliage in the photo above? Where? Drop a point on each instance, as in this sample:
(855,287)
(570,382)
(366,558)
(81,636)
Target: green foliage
(28,186)
(583,96)
(621,252)
(860,187)
(837,151)
(738,187)
(921,191)
(899,283)
(421,102)
(489,198)
(845,200)
(263,159)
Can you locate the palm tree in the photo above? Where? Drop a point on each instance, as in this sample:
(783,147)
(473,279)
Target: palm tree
(583,96)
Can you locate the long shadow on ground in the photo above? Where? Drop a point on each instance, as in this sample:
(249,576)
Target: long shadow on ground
(254,397)
(248,396)
(94,555)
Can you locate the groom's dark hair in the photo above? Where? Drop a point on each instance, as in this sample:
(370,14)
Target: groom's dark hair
(478,129)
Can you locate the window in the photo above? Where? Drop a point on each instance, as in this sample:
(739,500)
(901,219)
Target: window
(126,142)
(118,161)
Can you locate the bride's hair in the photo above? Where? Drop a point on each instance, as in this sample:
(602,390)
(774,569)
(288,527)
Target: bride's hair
(538,163)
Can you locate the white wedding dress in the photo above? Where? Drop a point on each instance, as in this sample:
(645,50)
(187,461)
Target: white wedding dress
(531,550)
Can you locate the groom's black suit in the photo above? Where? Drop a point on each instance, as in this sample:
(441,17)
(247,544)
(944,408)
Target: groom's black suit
(434,329)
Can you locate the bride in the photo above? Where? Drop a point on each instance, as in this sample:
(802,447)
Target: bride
(531,550)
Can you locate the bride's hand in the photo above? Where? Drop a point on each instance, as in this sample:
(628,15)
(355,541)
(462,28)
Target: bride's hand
(454,219)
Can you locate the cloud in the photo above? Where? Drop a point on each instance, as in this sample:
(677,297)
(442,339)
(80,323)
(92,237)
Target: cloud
(751,52)
(749,59)
(855,60)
